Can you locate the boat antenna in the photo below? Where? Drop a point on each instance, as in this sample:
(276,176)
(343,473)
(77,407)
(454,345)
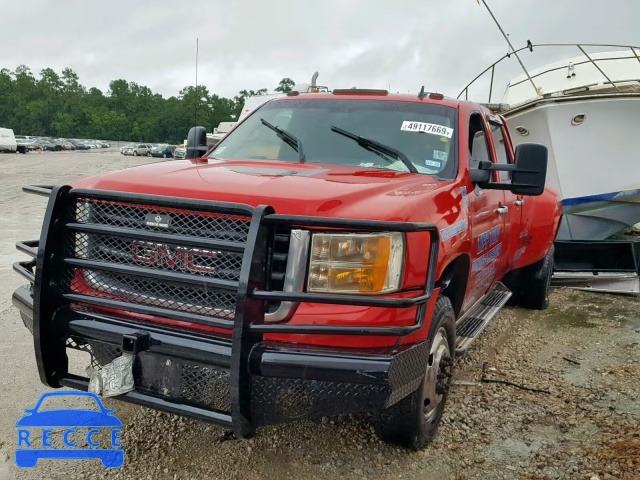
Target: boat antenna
(506,37)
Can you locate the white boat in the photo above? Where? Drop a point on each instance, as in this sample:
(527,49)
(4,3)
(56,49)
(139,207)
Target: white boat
(586,110)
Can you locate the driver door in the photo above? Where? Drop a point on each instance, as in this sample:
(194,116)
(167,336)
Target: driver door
(489,218)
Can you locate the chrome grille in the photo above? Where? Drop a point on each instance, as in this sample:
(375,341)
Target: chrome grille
(126,250)
(183,222)
(137,289)
(157,256)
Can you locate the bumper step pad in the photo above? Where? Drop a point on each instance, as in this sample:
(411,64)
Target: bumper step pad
(471,324)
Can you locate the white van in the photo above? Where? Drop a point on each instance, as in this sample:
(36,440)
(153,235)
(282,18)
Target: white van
(7,141)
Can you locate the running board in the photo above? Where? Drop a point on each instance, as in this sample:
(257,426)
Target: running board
(475,320)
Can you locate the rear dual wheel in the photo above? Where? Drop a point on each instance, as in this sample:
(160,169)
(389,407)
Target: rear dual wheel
(530,285)
(535,281)
(413,421)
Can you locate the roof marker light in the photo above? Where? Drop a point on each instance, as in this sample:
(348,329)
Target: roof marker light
(436,96)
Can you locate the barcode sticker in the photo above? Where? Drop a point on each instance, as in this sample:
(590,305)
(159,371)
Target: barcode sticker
(432,128)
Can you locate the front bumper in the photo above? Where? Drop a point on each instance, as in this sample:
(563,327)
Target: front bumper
(237,380)
(189,374)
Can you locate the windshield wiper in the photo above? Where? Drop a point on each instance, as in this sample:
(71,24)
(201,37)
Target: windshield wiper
(377,147)
(287,138)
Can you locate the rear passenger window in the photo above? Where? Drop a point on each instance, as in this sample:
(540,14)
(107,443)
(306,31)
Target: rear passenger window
(501,150)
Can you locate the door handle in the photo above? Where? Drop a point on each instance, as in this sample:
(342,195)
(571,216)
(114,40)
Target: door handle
(519,202)
(502,210)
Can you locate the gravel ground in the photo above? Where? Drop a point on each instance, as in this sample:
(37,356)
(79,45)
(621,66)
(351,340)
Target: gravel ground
(584,351)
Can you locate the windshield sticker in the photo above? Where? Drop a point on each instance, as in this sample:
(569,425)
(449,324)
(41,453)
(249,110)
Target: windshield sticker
(432,128)
(366,165)
(453,230)
(443,139)
(219,150)
(433,164)
(440,155)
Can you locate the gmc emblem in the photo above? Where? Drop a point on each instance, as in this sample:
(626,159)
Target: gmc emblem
(180,258)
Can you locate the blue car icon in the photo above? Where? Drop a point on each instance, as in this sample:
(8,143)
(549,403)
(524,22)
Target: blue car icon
(69,418)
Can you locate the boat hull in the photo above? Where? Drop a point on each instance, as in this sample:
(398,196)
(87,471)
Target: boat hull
(593,165)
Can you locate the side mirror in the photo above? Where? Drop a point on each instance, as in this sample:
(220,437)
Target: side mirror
(481,175)
(531,169)
(197,142)
(528,174)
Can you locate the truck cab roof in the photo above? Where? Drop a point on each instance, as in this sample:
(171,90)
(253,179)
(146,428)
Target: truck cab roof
(359,94)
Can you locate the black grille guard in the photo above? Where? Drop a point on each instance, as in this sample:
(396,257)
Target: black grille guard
(246,328)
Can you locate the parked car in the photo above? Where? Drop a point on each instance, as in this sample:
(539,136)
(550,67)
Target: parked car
(163,150)
(142,149)
(127,149)
(26,144)
(80,145)
(180,152)
(57,144)
(104,144)
(46,144)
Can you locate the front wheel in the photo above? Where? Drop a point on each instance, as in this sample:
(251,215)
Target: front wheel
(148,154)
(413,421)
(135,153)
(164,155)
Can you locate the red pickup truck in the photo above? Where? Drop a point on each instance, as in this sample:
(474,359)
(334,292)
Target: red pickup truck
(332,254)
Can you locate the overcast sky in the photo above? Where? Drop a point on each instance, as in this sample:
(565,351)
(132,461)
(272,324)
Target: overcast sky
(401,44)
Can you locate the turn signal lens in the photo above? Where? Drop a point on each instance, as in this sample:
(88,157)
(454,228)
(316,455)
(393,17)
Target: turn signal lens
(348,263)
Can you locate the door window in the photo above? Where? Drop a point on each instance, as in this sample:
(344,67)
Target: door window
(501,150)
(478,147)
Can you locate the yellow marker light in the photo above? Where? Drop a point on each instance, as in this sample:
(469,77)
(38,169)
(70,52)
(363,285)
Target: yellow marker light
(352,263)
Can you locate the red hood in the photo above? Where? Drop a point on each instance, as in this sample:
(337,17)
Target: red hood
(291,188)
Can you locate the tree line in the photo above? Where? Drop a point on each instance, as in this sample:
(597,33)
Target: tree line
(58,105)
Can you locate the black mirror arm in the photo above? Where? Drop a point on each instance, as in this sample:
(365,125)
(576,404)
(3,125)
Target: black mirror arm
(503,167)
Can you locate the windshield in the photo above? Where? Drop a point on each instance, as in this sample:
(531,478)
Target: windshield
(424,132)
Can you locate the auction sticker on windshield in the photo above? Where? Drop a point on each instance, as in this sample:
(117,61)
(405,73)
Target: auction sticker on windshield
(432,128)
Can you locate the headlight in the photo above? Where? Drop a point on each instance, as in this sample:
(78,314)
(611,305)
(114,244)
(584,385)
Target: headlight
(348,263)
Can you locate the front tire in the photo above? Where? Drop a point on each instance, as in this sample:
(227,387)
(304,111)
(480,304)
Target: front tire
(413,421)
(534,283)
(135,153)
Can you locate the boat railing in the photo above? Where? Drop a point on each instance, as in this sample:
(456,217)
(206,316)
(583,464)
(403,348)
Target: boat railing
(634,53)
